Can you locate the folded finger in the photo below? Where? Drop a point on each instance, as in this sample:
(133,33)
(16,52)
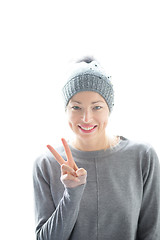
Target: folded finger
(58,157)
(65,169)
(81,172)
(68,178)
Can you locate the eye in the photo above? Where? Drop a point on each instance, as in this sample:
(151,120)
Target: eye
(76,108)
(97,107)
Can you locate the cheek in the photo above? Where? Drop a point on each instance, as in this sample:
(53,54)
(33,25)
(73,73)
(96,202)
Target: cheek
(104,123)
(70,124)
(72,120)
(103,120)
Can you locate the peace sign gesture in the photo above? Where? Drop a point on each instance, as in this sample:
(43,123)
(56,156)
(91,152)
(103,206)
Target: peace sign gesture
(71,175)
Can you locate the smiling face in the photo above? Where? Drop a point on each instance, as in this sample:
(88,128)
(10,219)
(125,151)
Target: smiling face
(88,117)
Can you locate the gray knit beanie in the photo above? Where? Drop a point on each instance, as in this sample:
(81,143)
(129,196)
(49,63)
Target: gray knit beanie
(87,75)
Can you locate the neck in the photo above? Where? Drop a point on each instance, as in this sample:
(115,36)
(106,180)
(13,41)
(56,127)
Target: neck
(103,143)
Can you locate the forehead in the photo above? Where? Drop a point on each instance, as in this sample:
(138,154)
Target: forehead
(87,96)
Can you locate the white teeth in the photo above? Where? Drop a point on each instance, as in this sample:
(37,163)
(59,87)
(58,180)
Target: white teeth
(89,128)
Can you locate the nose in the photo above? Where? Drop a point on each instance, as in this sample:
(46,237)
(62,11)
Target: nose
(87,116)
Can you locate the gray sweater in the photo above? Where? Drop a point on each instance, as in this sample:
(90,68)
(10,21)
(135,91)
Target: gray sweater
(120,201)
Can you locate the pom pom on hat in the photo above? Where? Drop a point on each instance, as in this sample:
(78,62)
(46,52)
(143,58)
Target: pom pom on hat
(88,75)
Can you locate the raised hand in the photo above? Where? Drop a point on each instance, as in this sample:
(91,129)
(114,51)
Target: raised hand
(71,175)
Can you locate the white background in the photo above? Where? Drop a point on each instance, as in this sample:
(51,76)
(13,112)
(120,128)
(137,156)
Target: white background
(37,40)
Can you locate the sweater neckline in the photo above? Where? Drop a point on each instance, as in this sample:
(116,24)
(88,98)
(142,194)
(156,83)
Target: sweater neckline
(99,153)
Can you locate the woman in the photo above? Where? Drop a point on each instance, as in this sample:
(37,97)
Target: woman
(106,188)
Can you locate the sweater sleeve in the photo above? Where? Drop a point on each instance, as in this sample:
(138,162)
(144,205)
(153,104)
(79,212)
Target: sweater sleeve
(149,219)
(54,223)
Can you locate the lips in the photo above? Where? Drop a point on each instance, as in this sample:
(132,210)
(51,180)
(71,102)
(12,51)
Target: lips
(87,128)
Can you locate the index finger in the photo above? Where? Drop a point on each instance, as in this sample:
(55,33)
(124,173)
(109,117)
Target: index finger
(58,157)
(69,156)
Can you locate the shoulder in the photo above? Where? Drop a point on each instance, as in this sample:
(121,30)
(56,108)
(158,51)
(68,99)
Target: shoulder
(138,145)
(45,164)
(47,157)
(144,151)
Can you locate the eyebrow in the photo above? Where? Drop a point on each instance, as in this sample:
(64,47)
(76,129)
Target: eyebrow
(91,103)
(97,102)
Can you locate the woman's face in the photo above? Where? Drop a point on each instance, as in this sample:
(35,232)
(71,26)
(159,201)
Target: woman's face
(88,115)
